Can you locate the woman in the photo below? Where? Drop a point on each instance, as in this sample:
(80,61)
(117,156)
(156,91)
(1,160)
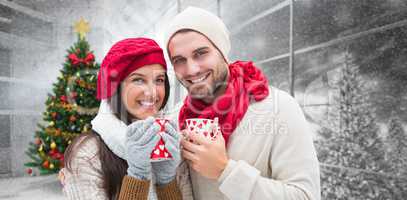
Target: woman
(133,86)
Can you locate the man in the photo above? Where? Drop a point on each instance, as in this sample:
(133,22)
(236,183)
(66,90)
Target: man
(265,148)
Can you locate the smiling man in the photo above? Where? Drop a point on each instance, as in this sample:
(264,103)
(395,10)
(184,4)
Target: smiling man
(264,149)
(199,65)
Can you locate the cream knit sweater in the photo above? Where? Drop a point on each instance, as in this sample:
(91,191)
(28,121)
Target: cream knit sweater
(271,156)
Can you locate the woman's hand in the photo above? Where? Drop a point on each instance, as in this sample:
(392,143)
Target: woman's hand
(165,171)
(141,139)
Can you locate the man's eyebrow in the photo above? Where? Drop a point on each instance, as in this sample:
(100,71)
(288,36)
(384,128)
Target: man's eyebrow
(200,49)
(177,56)
(196,50)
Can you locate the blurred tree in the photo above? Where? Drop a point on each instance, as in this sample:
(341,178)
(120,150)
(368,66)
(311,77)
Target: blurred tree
(351,151)
(397,147)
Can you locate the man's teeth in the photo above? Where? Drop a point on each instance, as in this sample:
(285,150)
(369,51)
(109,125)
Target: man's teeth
(146,103)
(199,80)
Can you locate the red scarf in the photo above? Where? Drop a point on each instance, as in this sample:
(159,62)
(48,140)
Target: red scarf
(246,84)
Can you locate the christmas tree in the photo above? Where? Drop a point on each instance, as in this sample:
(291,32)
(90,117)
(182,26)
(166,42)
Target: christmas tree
(352,152)
(69,108)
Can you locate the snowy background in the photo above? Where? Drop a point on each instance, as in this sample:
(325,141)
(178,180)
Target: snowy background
(349,75)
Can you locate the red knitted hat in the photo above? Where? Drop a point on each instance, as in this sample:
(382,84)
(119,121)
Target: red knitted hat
(123,58)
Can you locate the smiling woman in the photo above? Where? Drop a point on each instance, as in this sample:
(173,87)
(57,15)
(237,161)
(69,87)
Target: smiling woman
(143,91)
(133,86)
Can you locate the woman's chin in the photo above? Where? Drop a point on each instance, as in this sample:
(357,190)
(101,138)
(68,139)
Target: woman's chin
(145,113)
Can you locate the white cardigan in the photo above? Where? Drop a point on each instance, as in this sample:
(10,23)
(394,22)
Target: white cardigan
(271,156)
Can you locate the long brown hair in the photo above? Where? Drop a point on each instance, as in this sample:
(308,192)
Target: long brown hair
(114,168)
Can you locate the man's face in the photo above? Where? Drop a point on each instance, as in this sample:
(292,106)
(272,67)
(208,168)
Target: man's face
(198,64)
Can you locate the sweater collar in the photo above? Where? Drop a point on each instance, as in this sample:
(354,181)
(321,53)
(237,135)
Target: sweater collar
(111,129)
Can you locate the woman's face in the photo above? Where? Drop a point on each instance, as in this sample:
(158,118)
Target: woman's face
(143,91)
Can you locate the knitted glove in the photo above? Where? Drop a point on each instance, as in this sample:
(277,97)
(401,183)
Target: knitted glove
(165,171)
(141,139)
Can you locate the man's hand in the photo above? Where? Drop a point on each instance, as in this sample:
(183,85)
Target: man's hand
(205,155)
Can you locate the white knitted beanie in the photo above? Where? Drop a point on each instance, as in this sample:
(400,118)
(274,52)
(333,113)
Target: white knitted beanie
(204,22)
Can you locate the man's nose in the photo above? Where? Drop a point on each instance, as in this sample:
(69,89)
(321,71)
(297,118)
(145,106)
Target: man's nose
(192,68)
